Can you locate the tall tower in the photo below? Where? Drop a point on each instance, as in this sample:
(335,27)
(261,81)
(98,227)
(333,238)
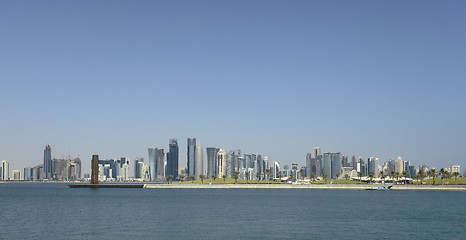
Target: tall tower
(327,164)
(160,165)
(211,161)
(48,162)
(221,163)
(336,164)
(153,155)
(95,169)
(198,162)
(5,174)
(172,159)
(191,155)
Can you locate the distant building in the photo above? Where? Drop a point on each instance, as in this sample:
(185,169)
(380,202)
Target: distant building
(5,171)
(153,155)
(399,165)
(198,162)
(138,164)
(336,164)
(455,168)
(211,161)
(172,158)
(47,162)
(17,175)
(221,165)
(308,165)
(327,164)
(160,175)
(190,156)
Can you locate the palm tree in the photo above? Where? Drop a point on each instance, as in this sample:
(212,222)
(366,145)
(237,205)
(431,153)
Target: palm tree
(246,174)
(346,178)
(301,173)
(371,176)
(213,176)
(181,177)
(313,176)
(405,174)
(360,177)
(170,178)
(290,177)
(422,174)
(192,178)
(431,173)
(392,176)
(382,175)
(455,175)
(224,178)
(235,176)
(447,176)
(202,176)
(267,173)
(280,175)
(325,176)
(397,175)
(258,176)
(441,173)
(337,175)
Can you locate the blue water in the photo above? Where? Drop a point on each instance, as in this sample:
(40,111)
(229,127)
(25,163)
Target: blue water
(54,211)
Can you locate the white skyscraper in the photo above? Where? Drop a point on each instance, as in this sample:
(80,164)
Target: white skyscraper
(399,165)
(221,165)
(5,171)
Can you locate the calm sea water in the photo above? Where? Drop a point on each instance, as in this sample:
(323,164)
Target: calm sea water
(54,211)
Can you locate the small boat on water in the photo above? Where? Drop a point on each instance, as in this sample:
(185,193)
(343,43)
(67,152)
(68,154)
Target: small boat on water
(380,188)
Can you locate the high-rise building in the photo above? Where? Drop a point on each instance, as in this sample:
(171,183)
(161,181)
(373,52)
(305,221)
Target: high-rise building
(373,166)
(327,164)
(48,162)
(317,152)
(230,163)
(160,165)
(198,162)
(190,156)
(211,161)
(336,164)
(308,164)
(16,175)
(399,168)
(221,165)
(28,174)
(153,156)
(248,160)
(276,170)
(5,172)
(172,159)
(139,169)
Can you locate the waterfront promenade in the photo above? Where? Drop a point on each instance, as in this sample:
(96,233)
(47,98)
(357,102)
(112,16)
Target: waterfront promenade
(308,186)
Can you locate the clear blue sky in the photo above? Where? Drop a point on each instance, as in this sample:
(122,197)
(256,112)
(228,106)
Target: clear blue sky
(366,78)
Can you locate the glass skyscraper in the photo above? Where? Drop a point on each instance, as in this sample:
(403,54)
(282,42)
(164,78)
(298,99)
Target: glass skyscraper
(211,161)
(48,162)
(190,156)
(153,155)
(172,158)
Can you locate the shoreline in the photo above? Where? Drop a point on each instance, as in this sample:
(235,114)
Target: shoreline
(307,186)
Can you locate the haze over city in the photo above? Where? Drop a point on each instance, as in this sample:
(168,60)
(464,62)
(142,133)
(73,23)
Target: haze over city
(278,78)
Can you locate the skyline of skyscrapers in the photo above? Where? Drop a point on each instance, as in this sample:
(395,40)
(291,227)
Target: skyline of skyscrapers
(219,162)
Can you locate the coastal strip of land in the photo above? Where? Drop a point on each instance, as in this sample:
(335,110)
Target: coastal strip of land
(308,186)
